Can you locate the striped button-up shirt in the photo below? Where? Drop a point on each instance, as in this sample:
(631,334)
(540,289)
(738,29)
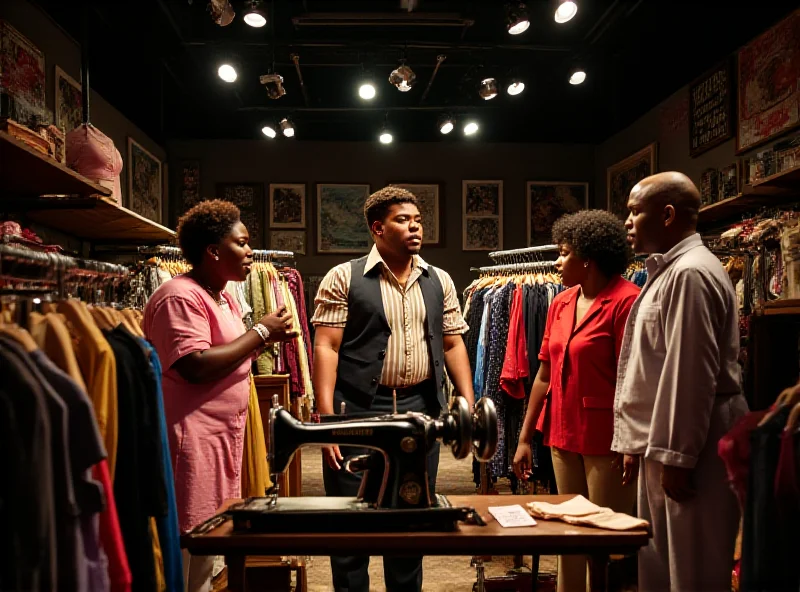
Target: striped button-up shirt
(407,360)
(679,356)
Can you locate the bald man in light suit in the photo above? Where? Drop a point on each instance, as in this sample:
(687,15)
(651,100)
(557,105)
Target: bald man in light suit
(679,392)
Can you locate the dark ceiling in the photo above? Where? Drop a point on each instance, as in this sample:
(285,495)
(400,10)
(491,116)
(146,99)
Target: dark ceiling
(156,61)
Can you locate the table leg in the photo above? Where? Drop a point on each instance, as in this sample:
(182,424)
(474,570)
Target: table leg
(598,573)
(534,572)
(236,573)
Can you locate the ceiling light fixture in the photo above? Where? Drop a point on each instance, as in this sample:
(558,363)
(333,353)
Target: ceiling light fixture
(386,137)
(471,128)
(517,18)
(566,10)
(287,127)
(446,124)
(227,73)
(403,78)
(269,131)
(255,16)
(367,91)
(515,87)
(488,89)
(577,77)
(274,85)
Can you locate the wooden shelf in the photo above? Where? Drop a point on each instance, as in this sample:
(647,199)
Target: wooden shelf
(782,307)
(752,198)
(54,195)
(788,179)
(25,172)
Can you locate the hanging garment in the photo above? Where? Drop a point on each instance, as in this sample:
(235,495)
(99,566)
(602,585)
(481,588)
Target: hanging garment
(255,470)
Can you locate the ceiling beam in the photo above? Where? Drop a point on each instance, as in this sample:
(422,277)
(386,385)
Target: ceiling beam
(398,45)
(381,19)
(448,108)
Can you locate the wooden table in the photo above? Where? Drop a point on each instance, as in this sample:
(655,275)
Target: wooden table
(546,538)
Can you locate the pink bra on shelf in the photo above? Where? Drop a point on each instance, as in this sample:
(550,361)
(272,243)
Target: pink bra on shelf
(92,154)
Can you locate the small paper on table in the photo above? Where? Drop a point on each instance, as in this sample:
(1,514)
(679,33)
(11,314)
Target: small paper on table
(511,516)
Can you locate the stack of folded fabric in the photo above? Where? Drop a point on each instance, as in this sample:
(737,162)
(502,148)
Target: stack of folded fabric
(581,511)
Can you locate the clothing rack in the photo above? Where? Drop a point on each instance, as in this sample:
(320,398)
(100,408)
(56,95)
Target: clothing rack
(270,254)
(523,266)
(520,255)
(160,250)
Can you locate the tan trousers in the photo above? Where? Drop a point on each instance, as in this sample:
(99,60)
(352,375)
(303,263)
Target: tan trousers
(594,478)
(197,572)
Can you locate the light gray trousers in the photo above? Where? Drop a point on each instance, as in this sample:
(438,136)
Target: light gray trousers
(693,543)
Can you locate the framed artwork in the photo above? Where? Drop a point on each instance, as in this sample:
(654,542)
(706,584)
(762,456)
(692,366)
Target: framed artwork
(482,203)
(288,240)
(621,178)
(769,93)
(249,198)
(709,187)
(69,102)
(190,185)
(144,182)
(311,284)
(341,227)
(287,205)
(427,195)
(547,202)
(711,119)
(728,181)
(22,73)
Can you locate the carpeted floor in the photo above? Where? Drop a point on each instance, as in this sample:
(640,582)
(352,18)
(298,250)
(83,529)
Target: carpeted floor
(442,574)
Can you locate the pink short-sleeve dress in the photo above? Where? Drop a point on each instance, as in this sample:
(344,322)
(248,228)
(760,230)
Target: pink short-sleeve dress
(205,422)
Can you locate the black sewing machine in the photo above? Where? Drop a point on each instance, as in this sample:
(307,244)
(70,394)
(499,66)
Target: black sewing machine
(394,493)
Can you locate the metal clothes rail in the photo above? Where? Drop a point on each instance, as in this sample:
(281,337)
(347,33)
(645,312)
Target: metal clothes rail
(500,256)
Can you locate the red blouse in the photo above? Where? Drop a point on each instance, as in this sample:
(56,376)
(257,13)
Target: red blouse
(578,411)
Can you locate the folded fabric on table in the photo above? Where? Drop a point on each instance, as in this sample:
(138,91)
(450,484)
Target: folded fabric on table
(581,511)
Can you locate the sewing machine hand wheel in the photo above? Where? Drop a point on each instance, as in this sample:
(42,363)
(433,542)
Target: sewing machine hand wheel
(459,425)
(484,430)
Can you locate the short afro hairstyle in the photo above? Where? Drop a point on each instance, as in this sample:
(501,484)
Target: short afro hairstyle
(205,224)
(595,235)
(377,205)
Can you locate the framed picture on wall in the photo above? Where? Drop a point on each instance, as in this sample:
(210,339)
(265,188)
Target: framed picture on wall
(711,119)
(287,205)
(482,203)
(288,240)
(547,202)
(144,182)
(769,96)
(189,195)
(341,227)
(22,70)
(427,195)
(249,198)
(621,177)
(69,101)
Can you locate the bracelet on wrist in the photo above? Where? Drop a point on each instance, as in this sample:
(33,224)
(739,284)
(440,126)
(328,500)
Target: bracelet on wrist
(262,331)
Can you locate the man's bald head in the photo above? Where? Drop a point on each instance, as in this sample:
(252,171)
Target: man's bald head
(663,211)
(670,189)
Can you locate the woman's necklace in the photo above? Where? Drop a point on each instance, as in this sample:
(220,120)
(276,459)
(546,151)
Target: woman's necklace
(220,302)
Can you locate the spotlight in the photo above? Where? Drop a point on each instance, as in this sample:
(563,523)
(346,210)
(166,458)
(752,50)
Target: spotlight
(517,18)
(577,77)
(274,85)
(403,78)
(515,87)
(385,137)
(255,16)
(471,128)
(227,73)
(566,10)
(269,131)
(446,124)
(287,127)
(488,89)
(367,91)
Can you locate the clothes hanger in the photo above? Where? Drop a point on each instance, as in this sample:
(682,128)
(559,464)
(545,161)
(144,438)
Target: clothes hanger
(794,418)
(790,396)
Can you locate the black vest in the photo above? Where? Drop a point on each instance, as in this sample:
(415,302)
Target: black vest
(367,331)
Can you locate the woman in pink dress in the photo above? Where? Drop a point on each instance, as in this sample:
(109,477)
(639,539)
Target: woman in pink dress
(197,331)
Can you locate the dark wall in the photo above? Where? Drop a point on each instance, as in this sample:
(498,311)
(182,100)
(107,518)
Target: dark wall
(60,49)
(444,163)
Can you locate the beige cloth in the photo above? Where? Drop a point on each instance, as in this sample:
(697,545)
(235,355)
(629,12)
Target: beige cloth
(407,360)
(595,477)
(582,512)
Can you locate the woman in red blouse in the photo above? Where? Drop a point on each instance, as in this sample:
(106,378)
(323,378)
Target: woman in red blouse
(572,398)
